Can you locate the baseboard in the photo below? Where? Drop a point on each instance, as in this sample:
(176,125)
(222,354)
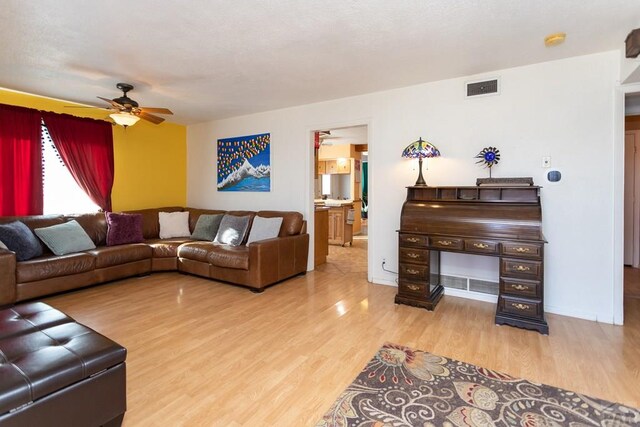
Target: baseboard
(379,281)
(574,313)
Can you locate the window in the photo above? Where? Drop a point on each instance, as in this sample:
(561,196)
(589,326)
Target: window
(61,192)
(326,185)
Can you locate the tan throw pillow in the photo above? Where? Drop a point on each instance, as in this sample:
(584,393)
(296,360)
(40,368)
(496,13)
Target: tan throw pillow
(174,224)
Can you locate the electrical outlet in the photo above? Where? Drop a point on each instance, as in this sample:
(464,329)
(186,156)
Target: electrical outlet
(546,162)
(384,261)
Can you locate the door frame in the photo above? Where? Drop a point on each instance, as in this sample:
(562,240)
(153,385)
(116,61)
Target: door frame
(310,129)
(617,277)
(635,234)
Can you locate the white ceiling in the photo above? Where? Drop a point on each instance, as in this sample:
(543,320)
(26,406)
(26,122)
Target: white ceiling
(208,59)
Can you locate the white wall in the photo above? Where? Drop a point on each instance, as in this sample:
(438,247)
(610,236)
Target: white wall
(563,109)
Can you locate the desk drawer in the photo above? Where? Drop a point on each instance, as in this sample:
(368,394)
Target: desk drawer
(481,246)
(412,288)
(521,288)
(446,243)
(520,307)
(521,268)
(413,240)
(529,250)
(414,255)
(414,272)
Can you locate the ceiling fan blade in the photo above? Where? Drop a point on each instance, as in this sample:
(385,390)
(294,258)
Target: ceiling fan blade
(150,117)
(112,102)
(156,110)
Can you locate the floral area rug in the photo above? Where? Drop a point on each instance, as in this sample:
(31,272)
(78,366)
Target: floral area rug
(405,387)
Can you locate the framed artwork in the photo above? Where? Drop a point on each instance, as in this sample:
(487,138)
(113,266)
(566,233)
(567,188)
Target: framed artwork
(244,163)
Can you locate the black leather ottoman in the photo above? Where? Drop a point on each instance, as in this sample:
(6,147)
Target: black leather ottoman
(57,372)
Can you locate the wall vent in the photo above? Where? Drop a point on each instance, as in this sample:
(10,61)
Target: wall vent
(486,87)
(453,282)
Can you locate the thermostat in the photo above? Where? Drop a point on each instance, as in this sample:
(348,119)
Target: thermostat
(554,176)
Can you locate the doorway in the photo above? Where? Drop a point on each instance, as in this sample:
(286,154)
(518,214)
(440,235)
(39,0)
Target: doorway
(341,201)
(631,255)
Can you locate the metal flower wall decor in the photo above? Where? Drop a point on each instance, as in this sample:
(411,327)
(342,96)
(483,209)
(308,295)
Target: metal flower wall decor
(490,156)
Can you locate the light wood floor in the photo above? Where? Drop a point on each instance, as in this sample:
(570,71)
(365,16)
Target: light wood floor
(203,353)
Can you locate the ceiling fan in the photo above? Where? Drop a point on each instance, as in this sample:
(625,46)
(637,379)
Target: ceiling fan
(127,112)
(326,138)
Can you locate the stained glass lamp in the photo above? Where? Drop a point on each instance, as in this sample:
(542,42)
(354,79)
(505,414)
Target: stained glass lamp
(419,150)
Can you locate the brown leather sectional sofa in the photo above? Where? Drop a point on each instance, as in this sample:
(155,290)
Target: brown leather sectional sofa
(256,266)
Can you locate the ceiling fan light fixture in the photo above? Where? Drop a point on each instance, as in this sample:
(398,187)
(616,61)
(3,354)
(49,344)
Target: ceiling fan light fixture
(124,119)
(554,39)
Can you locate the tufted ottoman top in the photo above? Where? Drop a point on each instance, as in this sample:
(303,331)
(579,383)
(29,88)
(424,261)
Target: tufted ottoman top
(43,350)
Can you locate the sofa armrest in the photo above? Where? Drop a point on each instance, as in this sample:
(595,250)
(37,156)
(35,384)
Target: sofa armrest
(7,277)
(278,258)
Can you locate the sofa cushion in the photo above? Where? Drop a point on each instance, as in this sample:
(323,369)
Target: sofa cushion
(21,240)
(150,223)
(173,224)
(123,228)
(264,228)
(291,221)
(207,227)
(195,251)
(65,238)
(108,256)
(54,266)
(194,215)
(95,224)
(233,229)
(166,248)
(35,221)
(216,254)
(228,256)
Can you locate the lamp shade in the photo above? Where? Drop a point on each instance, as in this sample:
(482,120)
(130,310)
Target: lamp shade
(124,119)
(420,149)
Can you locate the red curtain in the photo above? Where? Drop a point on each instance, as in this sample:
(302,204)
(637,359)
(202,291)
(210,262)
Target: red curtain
(86,147)
(20,161)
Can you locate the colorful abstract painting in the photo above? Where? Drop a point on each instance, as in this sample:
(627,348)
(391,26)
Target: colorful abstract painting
(244,163)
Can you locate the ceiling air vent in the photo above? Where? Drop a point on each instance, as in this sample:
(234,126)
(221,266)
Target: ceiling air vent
(486,87)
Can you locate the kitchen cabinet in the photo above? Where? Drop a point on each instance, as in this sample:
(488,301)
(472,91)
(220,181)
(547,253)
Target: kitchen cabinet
(342,166)
(322,167)
(321,236)
(340,233)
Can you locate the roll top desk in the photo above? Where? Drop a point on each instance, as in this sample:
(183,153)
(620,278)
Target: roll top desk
(500,221)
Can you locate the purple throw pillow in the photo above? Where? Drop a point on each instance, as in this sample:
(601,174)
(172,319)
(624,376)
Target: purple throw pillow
(123,228)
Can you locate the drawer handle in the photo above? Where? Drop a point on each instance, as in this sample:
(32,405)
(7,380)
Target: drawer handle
(521,250)
(413,287)
(520,306)
(480,245)
(412,239)
(412,255)
(521,268)
(445,242)
(519,287)
(412,271)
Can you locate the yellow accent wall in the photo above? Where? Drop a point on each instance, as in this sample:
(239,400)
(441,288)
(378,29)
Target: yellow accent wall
(150,160)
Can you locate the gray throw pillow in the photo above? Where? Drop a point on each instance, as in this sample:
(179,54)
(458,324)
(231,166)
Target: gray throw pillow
(232,230)
(21,240)
(264,228)
(3,246)
(65,238)
(207,227)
